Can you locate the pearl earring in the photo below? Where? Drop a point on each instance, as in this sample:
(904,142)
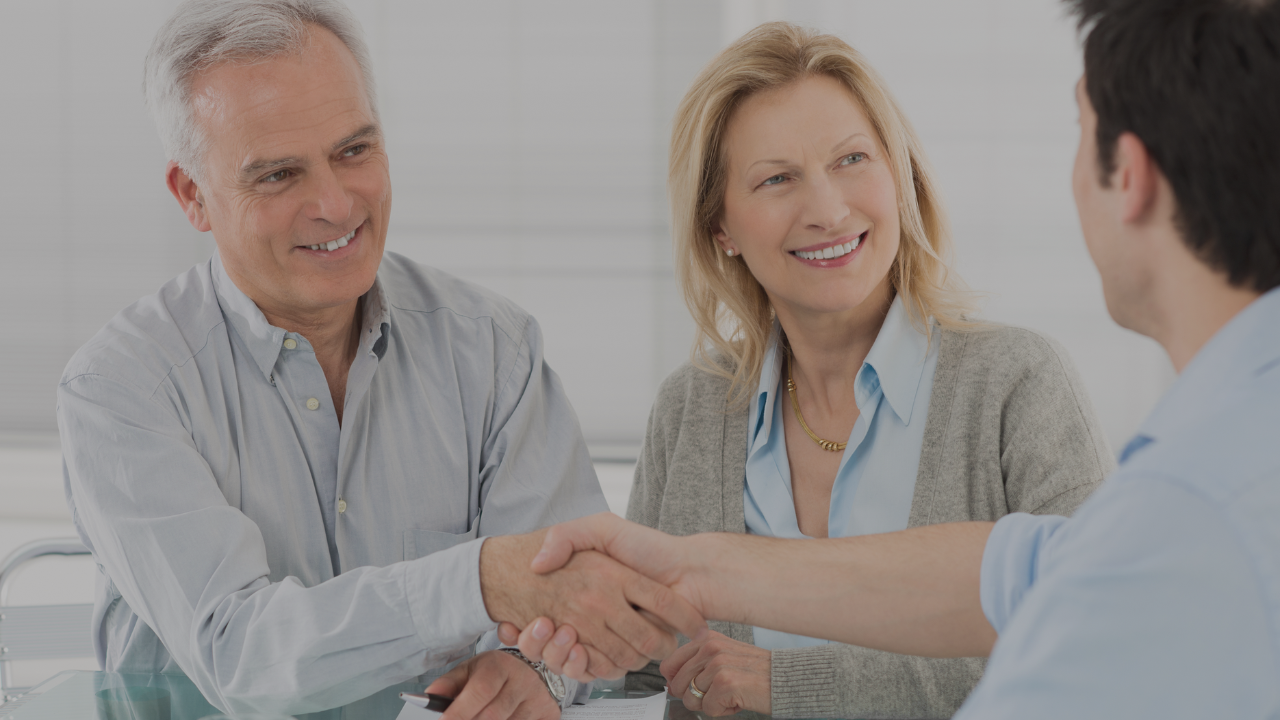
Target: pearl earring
(729,252)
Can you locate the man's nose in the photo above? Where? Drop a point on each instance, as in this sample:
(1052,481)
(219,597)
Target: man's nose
(329,199)
(825,206)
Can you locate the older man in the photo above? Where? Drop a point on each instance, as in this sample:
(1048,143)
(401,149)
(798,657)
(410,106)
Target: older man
(283,460)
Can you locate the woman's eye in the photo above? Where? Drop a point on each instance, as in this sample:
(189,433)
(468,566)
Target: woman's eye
(852,158)
(775,180)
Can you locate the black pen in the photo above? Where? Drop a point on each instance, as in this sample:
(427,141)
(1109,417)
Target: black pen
(432,702)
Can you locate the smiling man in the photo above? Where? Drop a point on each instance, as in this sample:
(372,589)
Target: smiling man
(284,461)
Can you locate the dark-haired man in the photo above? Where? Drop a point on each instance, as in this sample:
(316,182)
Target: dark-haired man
(1160,598)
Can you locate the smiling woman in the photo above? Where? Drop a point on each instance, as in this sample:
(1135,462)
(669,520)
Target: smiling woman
(840,385)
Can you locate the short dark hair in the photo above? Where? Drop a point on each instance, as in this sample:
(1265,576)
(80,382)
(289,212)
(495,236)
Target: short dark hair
(1198,82)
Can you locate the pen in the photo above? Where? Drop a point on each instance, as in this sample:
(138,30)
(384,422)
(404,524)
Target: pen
(432,702)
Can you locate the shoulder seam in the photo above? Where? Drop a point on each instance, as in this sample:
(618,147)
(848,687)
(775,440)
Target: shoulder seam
(450,310)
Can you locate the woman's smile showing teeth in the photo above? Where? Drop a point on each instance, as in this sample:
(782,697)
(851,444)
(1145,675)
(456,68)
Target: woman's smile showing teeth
(831,251)
(335,244)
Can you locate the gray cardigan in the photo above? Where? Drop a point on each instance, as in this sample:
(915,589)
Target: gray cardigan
(1010,429)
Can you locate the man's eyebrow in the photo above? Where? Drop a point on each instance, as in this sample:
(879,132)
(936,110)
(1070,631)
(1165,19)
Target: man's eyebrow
(368,132)
(258,166)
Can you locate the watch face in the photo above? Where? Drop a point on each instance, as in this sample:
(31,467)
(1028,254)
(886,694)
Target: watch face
(554,683)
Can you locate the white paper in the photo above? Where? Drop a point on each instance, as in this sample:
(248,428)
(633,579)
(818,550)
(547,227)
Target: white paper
(413,712)
(650,708)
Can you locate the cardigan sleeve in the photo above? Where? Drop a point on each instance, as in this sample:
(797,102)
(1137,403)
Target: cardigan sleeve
(645,504)
(1052,450)
(852,682)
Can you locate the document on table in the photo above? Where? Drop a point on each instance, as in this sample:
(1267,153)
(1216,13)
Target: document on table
(650,708)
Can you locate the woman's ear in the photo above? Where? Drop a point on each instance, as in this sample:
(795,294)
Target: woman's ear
(723,240)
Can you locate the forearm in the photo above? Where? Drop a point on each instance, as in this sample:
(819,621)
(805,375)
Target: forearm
(914,592)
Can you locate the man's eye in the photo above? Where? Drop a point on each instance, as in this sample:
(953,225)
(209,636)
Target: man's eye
(354,150)
(853,158)
(775,180)
(276,176)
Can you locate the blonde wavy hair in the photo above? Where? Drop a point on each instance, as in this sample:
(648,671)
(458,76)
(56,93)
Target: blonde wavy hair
(732,312)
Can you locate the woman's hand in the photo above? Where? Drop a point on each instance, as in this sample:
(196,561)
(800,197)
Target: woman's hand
(732,676)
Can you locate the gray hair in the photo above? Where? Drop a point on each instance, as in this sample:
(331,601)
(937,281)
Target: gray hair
(203,33)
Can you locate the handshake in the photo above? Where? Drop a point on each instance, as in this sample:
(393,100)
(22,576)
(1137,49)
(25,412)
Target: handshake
(599,596)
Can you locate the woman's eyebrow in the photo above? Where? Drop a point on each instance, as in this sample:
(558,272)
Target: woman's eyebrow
(848,140)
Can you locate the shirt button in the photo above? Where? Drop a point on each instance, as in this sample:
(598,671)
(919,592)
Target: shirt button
(290,344)
(313,404)
(342,506)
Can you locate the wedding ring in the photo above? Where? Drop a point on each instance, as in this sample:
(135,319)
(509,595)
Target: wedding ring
(694,689)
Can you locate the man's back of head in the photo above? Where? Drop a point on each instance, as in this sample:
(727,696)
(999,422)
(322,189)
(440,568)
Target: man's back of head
(1198,82)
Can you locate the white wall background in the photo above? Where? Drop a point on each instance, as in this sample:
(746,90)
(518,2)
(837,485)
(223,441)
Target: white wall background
(528,154)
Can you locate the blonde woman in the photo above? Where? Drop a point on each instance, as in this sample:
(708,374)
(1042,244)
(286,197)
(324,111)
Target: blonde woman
(837,387)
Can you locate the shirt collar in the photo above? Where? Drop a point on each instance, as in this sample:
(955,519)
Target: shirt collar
(264,339)
(1245,346)
(894,365)
(897,360)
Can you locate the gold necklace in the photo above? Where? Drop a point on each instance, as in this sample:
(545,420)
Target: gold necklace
(827,445)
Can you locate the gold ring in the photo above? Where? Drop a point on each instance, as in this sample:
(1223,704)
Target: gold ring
(694,689)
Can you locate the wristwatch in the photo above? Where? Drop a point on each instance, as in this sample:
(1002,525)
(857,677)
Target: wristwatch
(555,684)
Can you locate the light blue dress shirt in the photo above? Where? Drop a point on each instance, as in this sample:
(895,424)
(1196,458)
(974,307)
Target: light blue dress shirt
(281,561)
(876,478)
(1160,597)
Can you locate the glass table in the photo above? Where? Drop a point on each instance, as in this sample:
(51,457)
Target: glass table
(82,695)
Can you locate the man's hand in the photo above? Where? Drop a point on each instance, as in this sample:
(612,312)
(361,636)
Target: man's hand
(732,676)
(495,686)
(603,600)
(652,553)
(561,651)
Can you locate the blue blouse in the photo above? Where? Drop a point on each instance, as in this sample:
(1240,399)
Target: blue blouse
(877,475)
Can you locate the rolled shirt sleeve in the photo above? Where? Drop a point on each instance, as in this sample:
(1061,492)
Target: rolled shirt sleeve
(1010,562)
(1143,605)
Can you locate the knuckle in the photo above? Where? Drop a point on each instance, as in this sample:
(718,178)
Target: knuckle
(651,644)
(490,713)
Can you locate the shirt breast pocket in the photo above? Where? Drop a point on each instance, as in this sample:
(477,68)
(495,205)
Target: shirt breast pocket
(421,543)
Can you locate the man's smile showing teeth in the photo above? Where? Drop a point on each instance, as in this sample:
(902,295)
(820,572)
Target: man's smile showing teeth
(834,251)
(335,244)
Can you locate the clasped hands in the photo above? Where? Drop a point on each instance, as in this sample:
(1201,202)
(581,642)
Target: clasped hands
(594,598)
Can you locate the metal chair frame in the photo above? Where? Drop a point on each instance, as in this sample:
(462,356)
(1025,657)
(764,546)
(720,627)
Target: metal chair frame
(40,632)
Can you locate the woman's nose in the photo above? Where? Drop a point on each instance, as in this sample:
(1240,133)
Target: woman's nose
(825,206)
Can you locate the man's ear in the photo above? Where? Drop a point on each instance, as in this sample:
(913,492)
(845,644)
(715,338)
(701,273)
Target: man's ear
(1137,177)
(187,193)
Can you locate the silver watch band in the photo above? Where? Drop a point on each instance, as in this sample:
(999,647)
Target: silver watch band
(555,685)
